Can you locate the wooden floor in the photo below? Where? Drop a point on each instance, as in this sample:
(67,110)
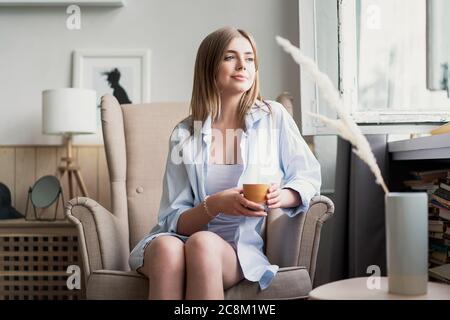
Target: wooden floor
(22,166)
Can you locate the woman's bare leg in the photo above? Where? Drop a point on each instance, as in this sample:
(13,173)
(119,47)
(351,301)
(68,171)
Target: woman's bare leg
(164,266)
(211,266)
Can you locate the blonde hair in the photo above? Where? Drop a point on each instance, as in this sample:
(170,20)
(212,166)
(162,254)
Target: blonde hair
(205,93)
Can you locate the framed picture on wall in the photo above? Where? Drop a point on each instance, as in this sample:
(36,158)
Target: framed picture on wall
(122,73)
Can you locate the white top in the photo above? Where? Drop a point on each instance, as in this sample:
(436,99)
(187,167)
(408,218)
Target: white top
(218,178)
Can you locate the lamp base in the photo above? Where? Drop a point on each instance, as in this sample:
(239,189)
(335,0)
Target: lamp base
(71,170)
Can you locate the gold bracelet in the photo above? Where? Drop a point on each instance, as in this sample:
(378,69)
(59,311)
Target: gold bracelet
(206,208)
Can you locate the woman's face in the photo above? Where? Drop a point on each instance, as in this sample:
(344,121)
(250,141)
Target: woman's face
(237,68)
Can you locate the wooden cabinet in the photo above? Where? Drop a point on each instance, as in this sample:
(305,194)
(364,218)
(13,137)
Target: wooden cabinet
(34,257)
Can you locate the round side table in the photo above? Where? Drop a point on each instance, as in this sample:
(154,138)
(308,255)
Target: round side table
(356,289)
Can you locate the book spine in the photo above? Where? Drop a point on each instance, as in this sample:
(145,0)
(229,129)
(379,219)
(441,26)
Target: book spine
(441,200)
(444,194)
(445,186)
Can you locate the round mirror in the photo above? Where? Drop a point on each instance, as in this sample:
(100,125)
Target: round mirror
(45,191)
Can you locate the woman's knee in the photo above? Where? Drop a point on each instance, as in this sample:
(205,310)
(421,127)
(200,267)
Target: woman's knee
(203,247)
(165,253)
(204,241)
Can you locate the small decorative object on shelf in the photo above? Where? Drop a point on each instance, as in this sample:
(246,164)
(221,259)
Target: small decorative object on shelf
(7,211)
(441,130)
(45,192)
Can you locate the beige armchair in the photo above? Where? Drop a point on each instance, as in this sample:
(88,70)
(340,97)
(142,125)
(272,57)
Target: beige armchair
(136,144)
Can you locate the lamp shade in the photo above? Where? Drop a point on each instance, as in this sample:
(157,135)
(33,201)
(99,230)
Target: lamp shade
(69,111)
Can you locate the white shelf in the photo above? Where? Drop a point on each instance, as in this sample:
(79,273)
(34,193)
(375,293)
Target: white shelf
(431,147)
(99,3)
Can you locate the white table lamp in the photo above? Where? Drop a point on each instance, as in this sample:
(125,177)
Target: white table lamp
(67,112)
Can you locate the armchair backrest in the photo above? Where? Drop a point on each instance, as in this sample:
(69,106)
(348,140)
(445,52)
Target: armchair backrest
(136,139)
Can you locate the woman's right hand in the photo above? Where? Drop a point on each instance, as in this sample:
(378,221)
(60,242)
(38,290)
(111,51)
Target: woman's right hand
(232,202)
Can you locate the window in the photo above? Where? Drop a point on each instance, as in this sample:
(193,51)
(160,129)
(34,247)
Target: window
(375,52)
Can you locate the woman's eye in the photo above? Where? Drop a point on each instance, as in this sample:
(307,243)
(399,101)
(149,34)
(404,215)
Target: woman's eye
(227,58)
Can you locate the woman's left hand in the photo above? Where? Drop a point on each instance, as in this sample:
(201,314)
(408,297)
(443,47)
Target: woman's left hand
(273,196)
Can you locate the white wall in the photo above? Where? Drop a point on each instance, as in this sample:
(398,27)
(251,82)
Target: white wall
(36,48)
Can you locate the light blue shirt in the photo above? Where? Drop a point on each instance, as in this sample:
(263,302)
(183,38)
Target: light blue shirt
(272,150)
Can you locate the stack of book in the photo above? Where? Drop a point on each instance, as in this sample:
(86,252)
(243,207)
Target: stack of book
(441,273)
(439,222)
(436,184)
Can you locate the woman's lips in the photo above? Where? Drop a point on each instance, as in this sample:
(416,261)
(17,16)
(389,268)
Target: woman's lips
(239,78)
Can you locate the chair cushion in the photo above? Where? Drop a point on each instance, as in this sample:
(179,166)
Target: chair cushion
(290,283)
(116,285)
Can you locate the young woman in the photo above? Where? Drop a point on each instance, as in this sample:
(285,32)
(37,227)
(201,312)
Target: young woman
(208,235)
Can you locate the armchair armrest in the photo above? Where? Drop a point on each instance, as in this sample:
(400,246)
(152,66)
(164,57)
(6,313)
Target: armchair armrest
(295,241)
(98,234)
